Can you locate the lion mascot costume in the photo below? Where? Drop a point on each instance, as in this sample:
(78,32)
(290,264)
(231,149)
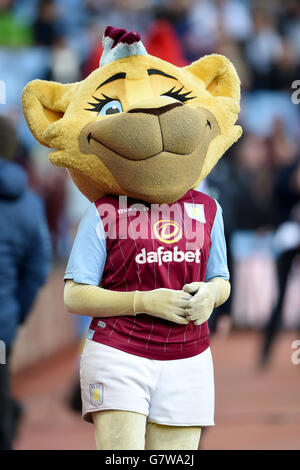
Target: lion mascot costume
(148,263)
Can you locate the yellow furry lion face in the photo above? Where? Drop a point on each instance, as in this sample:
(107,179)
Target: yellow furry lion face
(138,126)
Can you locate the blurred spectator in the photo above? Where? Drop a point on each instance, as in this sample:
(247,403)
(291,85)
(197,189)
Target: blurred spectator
(285,68)
(289,17)
(286,200)
(50,184)
(13,32)
(259,109)
(225,45)
(130,14)
(285,158)
(251,240)
(93,57)
(65,66)
(45,26)
(253,179)
(25,257)
(209,19)
(284,267)
(263,48)
(163,42)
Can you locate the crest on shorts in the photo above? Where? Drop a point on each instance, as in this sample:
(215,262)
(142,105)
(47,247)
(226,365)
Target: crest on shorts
(195,211)
(96,394)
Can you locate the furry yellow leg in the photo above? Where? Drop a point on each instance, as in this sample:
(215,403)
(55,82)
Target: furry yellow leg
(119,430)
(159,437)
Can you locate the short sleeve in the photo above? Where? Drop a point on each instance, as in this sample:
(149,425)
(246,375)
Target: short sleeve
(88,255)
(217,260)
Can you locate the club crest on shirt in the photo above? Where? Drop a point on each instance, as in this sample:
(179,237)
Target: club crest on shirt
(96,394)
(195,211)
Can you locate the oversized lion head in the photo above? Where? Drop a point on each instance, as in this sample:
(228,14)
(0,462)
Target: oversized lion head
(137,126)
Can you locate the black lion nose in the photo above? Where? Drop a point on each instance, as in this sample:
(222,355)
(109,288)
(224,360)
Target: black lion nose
(156,111)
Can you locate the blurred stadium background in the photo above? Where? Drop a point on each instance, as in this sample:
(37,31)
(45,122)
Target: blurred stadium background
(257,184)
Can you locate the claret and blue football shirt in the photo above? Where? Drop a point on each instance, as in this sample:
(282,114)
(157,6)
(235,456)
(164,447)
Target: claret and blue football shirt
(125,245)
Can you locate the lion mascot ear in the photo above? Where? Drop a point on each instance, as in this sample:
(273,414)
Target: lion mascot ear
(222,86)
(44,104)
(218,75)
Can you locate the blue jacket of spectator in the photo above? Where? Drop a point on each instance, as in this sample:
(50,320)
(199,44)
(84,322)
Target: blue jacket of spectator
(24,248)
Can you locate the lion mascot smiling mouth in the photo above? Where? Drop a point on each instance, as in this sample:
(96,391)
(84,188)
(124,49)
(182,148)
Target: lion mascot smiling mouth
(148,262)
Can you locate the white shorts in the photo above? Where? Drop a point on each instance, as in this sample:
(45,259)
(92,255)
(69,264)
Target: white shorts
(175,392)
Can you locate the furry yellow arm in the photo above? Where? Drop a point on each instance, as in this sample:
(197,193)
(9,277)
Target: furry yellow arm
(94,301)
(177,306)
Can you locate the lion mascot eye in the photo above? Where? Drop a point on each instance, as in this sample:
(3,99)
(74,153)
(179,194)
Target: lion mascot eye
(113,107)
(105,106)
